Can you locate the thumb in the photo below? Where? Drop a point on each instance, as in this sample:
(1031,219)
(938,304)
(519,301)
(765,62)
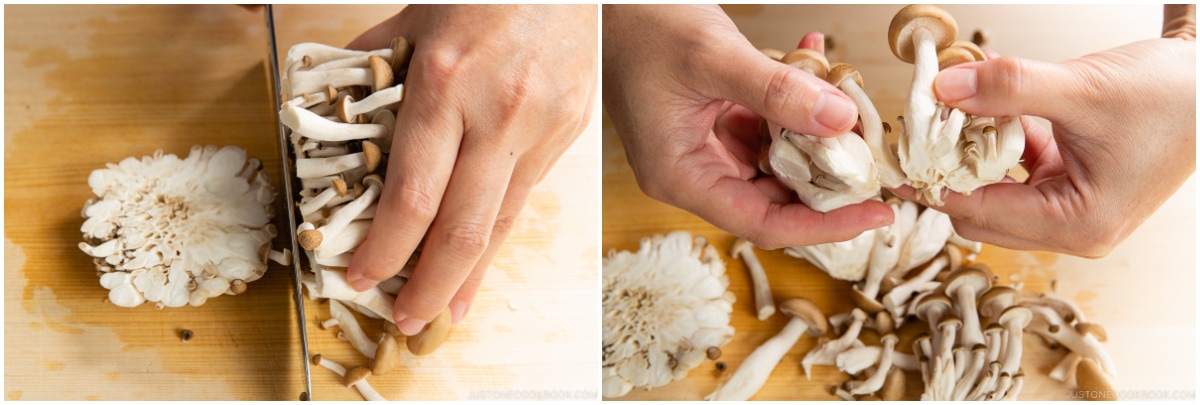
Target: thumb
(1007,86)
(783,94)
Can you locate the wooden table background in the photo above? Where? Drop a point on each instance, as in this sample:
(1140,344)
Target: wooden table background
(89,85)
(1143,292)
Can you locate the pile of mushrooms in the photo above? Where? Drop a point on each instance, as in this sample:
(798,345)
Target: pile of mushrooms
(1061,323)
(665,310)
(826,173)
(940,147)
(339,109)
(177,232)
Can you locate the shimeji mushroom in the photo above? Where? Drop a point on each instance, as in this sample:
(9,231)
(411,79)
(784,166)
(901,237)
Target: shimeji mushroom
(378,76)
(827,349)
(176,231)
(753,372)
(826,173)
(432,336)
(942,148)
(320,167)
(762,289)
(845,77)
(347,108)
(663,308)
(357,378)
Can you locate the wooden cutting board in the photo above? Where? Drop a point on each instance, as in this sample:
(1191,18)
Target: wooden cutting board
(1143,292)
(89,85)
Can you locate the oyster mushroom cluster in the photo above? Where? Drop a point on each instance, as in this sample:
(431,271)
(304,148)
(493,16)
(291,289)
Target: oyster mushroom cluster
(339,111)
(942,148)
(665,310)
(826,173)
(177,232)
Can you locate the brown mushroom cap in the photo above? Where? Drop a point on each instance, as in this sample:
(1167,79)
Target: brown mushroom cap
(884,323)
(1094,329)
(310,239)
(932,302)
(373,179)
(995,300)
(372,154)
(355,375)
(839,72)
(977,279)
(935,19)
(772,53)
(1019,315)
(237,286)
(869,304)
(805,58)
(339,186)
(949,319)
(343,109)
(958,53)
(401,53)
(1090,379)
(893,385)
(804,309)
(387,356)
(382,71)
(428,339)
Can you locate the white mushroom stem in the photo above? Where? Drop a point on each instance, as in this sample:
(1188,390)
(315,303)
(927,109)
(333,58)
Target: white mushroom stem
(344,216)
(826,352)
(347,108)
(890,174)
(858,359)
(311,205)
(356,61)
(364,388)
(329,323)
(971,373)
(319,53)
(1067,310)
(320,167)
(987,385)
(308,81)
(753,372)
(310,125)
(884,255)
(329,364)
(995,344)
(1084,345)
(894,300)
(284,257)
(351,329)
(874,382)
(927,238)
(349,238)
(327,151)
(762,289)
(1018,382)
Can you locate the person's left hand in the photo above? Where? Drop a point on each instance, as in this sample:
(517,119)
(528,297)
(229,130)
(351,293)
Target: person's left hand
(494,95)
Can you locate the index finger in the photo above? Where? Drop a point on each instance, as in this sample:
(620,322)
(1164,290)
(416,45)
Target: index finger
(742,208)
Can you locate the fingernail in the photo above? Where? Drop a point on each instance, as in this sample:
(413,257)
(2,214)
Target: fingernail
(956,84)
(359,283)
(835,111)
(457,311)
(410,326)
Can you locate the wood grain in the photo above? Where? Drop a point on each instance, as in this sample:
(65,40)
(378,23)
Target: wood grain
(89,85)
(1128,291)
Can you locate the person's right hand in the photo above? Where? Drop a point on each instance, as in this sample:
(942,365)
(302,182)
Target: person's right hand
(685,91)
(1124,140)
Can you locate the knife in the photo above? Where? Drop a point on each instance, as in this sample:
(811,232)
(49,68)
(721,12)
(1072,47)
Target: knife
(285,154)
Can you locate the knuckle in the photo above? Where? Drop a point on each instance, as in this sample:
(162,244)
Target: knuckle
(415,200)
(503,225)
(440,66)
(468,237)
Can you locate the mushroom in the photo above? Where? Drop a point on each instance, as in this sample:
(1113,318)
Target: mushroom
(966,285)
(357,378)
(1048,325)
(318,360)
(308,124)
(762,289)
(1091,380)
(855,360)
(876,380)
(827,350)
(843,260)
(319,167)
(753,372)
(177,232)
(894,300)
(845,77)
(894,386)
(663,308)
(387,355)
(432,336)
(378,76)
(317,238)
(347,108)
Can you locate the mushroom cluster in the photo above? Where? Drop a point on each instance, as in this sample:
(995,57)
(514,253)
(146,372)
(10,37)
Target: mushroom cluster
(177,232)
(885,254)
(665,310)
(826,173)
(339,111)
(1062,324)
(942,148)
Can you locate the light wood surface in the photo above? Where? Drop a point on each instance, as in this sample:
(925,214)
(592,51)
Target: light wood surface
(89,85)
(1143,292)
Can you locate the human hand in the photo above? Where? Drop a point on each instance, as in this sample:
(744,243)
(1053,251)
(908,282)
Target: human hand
(493,96)
(686,90)
(1124,140)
